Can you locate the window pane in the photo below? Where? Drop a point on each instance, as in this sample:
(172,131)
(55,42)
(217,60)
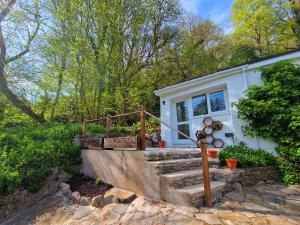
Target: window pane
(182,111)
(199,105)
(184,128)
(217,101)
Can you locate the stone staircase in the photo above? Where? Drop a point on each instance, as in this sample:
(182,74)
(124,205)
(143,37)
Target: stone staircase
(181,179)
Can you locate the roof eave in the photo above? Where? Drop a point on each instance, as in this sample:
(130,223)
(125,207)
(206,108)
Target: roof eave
(194,82)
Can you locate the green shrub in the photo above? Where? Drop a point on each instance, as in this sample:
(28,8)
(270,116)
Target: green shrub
(272,110)
(247,157)
(98,181)
(27,155)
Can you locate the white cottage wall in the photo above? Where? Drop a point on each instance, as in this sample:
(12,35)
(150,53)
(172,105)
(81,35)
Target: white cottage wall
(234,82)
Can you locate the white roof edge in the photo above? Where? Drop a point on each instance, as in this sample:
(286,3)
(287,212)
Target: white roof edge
(227,72)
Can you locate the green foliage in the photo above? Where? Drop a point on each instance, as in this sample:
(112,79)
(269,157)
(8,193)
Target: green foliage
(98,181)
(247,157)
(27,155)
(273,111)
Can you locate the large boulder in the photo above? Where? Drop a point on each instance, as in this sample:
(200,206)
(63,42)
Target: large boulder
(123,195)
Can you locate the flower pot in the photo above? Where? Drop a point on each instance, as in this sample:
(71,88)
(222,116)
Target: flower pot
(231,163)
(162,144)
(212,153)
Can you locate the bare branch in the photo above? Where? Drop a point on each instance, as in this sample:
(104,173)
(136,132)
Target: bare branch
(29,41)
(6,9)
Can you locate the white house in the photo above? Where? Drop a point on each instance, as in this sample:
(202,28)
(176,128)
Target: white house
(185,105)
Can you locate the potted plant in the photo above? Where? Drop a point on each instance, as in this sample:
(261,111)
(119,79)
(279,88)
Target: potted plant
(212,153)
(231,163)
(200,134)
(162,144)
(217,125)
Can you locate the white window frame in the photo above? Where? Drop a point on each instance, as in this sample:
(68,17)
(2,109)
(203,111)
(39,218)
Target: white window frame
(189,99)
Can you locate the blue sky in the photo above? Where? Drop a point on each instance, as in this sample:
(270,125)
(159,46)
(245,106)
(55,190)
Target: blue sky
(217,10)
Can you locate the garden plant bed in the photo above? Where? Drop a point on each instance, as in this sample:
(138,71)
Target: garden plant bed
(87,186)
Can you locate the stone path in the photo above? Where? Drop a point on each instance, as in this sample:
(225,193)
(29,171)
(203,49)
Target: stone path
(265,204)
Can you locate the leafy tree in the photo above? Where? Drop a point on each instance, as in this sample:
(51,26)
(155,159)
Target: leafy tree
(266,25)
(5,58)
(273,111)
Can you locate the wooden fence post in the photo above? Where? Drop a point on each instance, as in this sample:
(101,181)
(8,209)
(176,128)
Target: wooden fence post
(85,129)
(143,129)
(205,167)
(108,123)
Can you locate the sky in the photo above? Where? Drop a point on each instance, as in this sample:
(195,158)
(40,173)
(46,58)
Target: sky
(217,10)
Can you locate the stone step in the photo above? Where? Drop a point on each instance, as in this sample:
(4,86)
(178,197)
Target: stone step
(169,166)
(194,195)
(185,178)
(169,154)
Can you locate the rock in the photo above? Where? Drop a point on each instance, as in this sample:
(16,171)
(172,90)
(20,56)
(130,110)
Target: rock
(76,197)
(108,200)
(115,200)
(209,218)
(123,195)
(65,190)
(98,201)
(85,201)
(82,211)
(253,197)
(238,187)
(293,202)
(273,199)
(235,196)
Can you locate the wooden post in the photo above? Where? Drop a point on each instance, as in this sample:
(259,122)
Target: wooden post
(205,168)
(84,132)
(108,123)
(143,130)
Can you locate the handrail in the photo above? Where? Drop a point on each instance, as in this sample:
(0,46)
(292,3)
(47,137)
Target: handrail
(202,145)
(178,131)
(111,117)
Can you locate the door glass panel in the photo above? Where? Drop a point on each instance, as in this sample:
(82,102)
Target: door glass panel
(217,101)
(182,111)
(199,105)
(184,128)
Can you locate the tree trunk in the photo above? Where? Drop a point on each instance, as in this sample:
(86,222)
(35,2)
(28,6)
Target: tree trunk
(16,101)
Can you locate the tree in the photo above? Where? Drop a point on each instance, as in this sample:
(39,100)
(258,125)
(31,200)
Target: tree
(5,60)
(266,25)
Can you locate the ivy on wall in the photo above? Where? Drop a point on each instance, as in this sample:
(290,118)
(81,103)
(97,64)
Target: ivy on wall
(273,111)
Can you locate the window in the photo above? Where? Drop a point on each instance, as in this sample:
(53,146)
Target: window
(199,105)
(182,111)
(182,118)
(217,101)
(184,128)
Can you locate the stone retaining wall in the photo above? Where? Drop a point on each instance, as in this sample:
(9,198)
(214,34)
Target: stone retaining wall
(248,176)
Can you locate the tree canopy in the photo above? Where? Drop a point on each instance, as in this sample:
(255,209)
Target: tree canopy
(76,59)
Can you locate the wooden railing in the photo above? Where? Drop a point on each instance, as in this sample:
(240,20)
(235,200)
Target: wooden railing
(142,113)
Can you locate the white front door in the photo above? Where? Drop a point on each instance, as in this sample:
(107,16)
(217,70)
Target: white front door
(182,120)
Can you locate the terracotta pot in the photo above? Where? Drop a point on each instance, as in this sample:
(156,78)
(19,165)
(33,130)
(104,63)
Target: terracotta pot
(212,153)
(162,144)
(231,163)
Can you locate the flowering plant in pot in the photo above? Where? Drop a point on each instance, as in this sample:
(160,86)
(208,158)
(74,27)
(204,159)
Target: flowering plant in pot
(217,125)
(231,163)
(200,134)
(212,153)
(162,144)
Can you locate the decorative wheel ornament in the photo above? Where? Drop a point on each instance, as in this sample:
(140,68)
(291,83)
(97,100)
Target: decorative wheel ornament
(208,121)
(218,143)
(209,139)
(208,130)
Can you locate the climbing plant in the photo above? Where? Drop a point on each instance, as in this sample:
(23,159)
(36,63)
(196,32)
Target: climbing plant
(272,110)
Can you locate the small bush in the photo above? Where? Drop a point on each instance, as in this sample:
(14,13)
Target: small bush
(98,181)
(247,157)
(27,155)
